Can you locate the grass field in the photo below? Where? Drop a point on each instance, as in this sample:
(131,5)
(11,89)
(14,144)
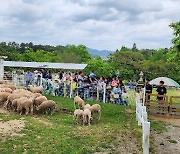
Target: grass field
(60,135)
(116,131)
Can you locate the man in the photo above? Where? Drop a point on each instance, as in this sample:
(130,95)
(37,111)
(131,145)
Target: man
(161,91)
(148,88)
(29,78)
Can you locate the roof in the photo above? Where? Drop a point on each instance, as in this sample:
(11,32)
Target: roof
(45,65)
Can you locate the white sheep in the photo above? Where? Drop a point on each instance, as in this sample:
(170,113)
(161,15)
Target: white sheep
(78,115)
(87,106)
(38,101)
(46,106)
(38,89)
(87,117)
(78,101)
(25,103)
(96,108)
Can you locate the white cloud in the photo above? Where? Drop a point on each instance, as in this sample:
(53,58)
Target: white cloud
(102,24)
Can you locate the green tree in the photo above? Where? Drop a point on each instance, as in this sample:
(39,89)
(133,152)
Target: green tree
(134,48)
(100,67)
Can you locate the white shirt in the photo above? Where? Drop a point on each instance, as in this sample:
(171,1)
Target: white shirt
(125,96)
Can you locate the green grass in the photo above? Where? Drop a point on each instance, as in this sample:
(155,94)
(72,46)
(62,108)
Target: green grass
(172,141)
(63,136)
(115,127)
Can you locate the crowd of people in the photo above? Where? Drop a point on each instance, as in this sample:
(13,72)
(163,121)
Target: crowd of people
(87,87)
(111,90)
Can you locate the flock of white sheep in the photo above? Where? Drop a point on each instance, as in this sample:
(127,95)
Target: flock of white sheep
(85,115)
(32,101)
(25,101)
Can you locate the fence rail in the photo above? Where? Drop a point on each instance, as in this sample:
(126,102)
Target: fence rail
(141,117)
(166,105)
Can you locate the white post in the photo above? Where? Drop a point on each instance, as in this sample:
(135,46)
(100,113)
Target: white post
(146,133)
(144,95)
(104,94)
(1,68)
(71,89)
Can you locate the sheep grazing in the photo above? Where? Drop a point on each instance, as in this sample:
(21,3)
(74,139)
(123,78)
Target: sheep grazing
(46,106)
(87,117)
(78,115)
(3,97)
(25,103)
(87,106)
(38,89)
(78,101)
(38,101)
(96,108)
(10,98)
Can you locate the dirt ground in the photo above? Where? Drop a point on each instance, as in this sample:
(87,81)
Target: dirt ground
(11,127)
(169,141)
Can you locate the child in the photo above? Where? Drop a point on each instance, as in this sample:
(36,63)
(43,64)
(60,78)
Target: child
(116,95)
(125,97)
(111,97)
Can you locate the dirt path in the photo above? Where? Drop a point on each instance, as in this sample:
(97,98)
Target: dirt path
(168,142)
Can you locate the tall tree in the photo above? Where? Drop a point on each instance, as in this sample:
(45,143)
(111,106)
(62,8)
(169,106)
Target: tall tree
(134,48)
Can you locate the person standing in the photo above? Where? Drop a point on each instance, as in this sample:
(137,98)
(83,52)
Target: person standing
(29,77)
(149,88)
(125,97)
(161,90)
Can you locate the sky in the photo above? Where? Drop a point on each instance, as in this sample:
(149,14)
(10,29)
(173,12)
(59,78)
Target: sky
(98,24)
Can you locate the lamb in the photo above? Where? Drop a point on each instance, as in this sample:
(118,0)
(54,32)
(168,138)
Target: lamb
(79,102)
(38,101)
(87,106)
(46,106)
(3,97)
(78,115)
(87,117)
(25,103)
(38,89)
(6,90)
(96,108)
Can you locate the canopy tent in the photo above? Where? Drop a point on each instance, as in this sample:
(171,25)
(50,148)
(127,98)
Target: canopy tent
(167,82)
(70,66)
